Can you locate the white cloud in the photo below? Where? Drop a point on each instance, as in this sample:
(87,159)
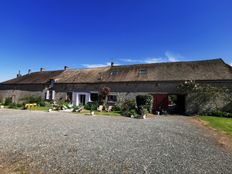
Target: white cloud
(168,57)
(97,65)
(172,57)
(231,64)
(131,60)
(153,60)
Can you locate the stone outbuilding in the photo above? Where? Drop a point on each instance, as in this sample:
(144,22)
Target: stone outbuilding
(161,80)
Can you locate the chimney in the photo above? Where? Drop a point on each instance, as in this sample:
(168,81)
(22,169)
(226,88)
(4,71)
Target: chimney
(112,64)
(42,69)
(29,71)
(19,74)
(66,67)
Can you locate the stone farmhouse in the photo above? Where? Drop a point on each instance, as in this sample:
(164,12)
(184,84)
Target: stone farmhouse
(161,80)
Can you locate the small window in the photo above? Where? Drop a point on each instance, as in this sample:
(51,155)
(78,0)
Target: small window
(142,72)
(112,98)
(94,97)
(51,83)
(50,95)
(69,97)
(112,73)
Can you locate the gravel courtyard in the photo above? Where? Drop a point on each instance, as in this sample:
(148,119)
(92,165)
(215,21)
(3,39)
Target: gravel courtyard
(40,142)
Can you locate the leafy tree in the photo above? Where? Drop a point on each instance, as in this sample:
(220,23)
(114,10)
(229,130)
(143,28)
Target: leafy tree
(104,92)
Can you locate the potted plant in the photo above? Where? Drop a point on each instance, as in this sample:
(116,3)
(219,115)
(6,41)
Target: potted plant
(143,112)
(92,110)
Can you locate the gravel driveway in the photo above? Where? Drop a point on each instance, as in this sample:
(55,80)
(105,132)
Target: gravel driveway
(66,143)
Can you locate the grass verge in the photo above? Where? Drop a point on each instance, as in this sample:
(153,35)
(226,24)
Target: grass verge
(87,112)
(219,123)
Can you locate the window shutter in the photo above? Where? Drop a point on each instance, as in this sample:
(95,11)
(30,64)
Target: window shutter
(47,95)
(53,95)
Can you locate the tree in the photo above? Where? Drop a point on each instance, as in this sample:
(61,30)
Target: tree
(104,92)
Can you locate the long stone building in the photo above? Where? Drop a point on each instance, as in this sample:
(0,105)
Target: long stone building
(160,80)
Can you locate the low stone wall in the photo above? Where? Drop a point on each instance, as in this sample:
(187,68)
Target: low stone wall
(17,95)
(197,104)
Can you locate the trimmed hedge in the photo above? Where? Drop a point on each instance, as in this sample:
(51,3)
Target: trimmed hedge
(218,113)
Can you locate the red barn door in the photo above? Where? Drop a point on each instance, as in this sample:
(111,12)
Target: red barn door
(160,102)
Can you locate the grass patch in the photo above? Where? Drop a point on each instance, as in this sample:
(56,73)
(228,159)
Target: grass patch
(39,108)
(108,113)
(219,123)
(87,112)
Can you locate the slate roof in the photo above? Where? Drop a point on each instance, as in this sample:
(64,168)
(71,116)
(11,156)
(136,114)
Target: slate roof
(214,69)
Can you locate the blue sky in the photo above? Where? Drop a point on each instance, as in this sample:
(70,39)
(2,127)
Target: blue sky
(88,33)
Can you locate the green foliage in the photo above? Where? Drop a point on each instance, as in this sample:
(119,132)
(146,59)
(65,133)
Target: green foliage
(116,108)
(128,107)
(76,108)
(207,93)
(8,101)
(34,99)
(143,110)
(47,104)
(103,93)
(60,105)
(144,102)
(91,106)
(217,113)
(189,86)
(132,112)
(12,106)
(19,105)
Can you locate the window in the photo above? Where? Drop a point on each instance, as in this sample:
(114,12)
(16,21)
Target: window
(112,98)
(94,97)
(113,73)
(69,96)
(51,83)
(142,72)
(50,95)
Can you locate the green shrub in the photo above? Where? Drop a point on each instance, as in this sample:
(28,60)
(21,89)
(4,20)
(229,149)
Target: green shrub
(128,107)
(217,113)
(133,112)
(76,108)
(47,104)
(8,101)
(144,101)
(19,105)
(142,110)
(91,106)
(60,105)
(12,106)
(116,108)
(34,99)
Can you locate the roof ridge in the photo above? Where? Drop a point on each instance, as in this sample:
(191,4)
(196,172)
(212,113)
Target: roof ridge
(127,65)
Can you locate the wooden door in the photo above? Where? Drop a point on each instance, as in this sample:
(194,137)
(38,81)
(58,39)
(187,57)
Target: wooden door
(160,102)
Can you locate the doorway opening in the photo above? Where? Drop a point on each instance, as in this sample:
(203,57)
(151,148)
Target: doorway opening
(82,99)
(169,104)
